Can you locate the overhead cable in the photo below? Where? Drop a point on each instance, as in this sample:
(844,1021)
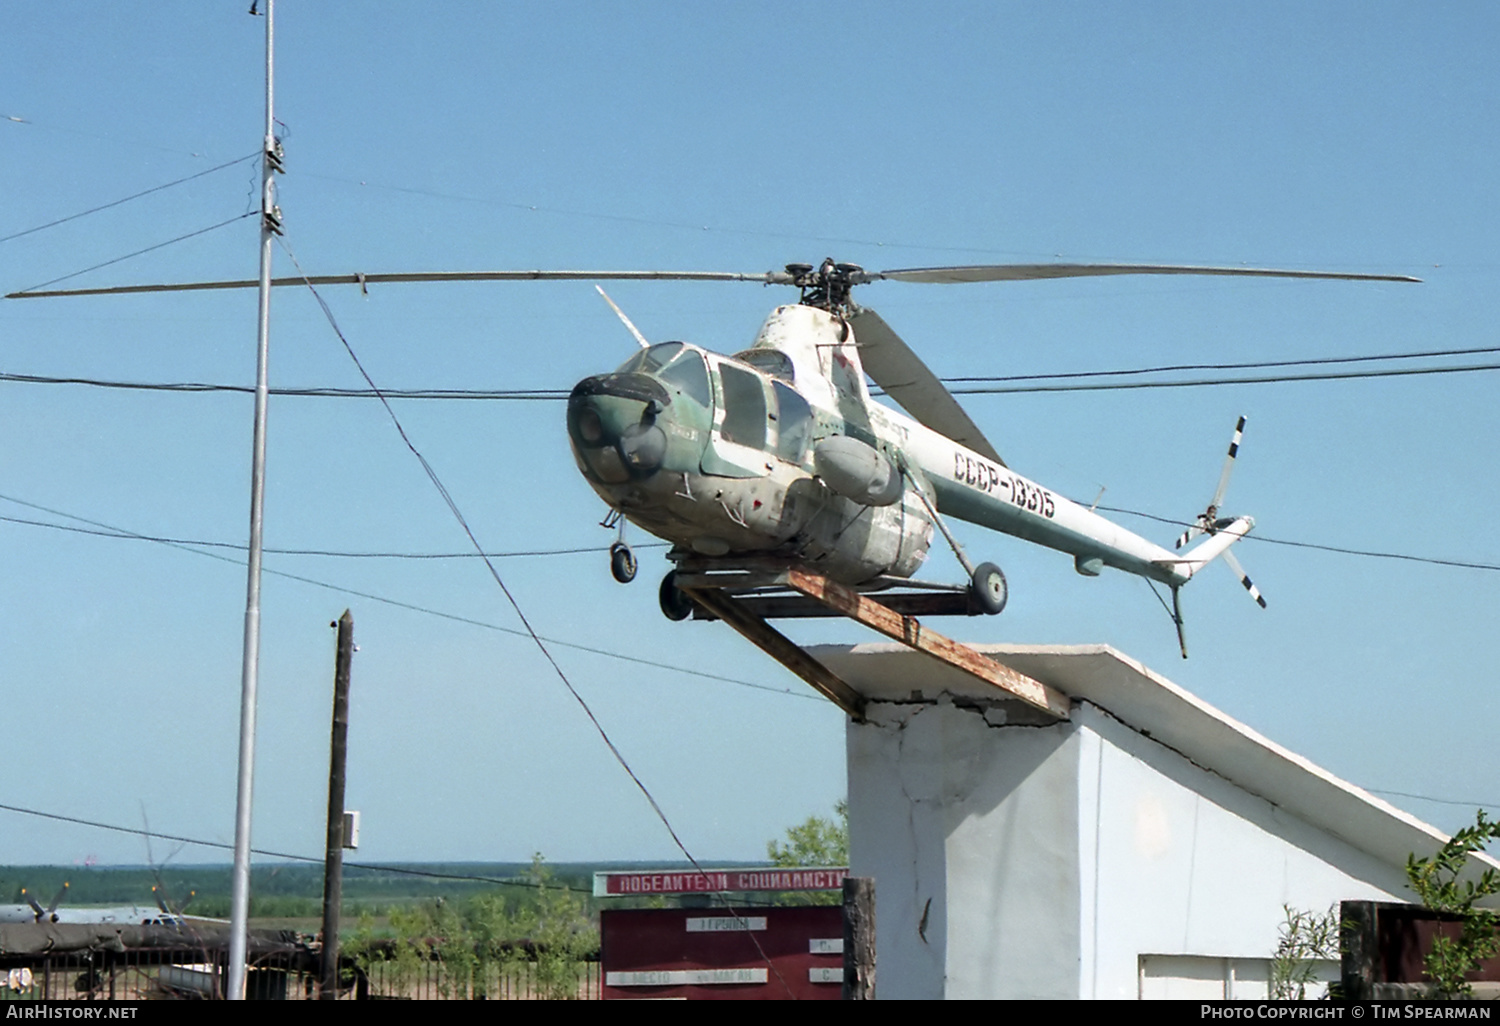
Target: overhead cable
(336,553)
(318,859)
(318,392)
(127,199)
(1439,801)
(1274,379)
(139,252)
(1178,368)
(559,394)
(397,603)
(1433,560)
(463,523)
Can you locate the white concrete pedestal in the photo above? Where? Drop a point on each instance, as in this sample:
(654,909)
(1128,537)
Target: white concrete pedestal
(1144,846)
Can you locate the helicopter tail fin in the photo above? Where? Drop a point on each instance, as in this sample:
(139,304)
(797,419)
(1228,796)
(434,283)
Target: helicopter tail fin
(1224,534)
(1216,545)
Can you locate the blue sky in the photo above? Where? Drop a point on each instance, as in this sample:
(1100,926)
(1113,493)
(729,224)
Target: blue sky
(1348,136)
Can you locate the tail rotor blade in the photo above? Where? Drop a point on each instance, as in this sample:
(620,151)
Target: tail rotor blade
(1239,571)
(1234,450)
(1208,521)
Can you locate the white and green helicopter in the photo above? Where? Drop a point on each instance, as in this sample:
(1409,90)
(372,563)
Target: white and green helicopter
(779,453)
(780,450)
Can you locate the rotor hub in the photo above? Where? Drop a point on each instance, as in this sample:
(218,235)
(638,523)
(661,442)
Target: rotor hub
(827,286)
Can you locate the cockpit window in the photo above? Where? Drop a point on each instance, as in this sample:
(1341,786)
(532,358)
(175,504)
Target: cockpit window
(773,361)
(795,421)
(744,407)
(688,373)
(649,361)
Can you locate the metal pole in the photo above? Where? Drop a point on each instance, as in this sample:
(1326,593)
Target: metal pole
(239,913)
(333,866)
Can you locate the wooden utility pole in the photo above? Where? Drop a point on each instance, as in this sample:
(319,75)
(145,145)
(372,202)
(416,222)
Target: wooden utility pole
(859,938)
(333,871)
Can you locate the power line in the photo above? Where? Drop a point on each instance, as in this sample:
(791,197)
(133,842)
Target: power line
(1178,368)
(1272,379)
(463,523)
(558,394)
(139,252)
(153,834)
(1433,560)
(127,199)
(397,603)
(318,392)
(1439,801)
(699,229)
(342,554)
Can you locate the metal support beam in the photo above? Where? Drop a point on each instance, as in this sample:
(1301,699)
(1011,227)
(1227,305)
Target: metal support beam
(779,647)
(909,631)
(741,612)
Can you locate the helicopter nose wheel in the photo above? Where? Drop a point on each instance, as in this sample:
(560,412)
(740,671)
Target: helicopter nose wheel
(988,588)
(675,603)
(622,562)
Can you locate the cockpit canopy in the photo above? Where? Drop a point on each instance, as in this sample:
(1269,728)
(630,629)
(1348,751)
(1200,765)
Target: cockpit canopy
(675,365)
(775,419)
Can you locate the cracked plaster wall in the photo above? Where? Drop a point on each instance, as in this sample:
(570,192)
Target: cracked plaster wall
(991,826)
(1021,861)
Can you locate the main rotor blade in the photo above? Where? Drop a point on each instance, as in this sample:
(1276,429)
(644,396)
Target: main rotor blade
(930,275)
(362,280)
(894,367)
(623,319)
(1035,272)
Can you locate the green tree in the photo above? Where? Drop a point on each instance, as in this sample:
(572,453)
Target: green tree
(816,842)
(1436,881)
(557,923)
(1305,938)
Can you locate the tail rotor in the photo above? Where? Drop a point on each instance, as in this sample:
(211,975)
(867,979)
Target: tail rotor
(1210,523)
(48,914)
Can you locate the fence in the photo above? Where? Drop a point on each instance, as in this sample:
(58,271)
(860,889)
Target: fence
(280,968)
(509,981)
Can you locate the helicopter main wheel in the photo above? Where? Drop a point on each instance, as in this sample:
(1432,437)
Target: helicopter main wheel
(622,562)
(988,588)
(675,603)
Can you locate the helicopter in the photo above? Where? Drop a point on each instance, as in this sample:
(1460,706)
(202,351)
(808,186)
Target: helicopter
(162,915)
(780,451)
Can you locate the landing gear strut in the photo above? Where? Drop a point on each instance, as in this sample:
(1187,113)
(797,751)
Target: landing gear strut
(986,582)
(622,564)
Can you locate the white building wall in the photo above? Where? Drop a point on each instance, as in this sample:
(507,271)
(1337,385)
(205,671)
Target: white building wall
(1188,863)
(970,831)
(1045,861)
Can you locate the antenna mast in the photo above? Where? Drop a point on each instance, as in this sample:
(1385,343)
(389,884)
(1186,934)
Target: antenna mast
(270,225)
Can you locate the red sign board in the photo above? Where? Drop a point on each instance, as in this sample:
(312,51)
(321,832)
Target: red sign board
(656,881)
(713,953)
